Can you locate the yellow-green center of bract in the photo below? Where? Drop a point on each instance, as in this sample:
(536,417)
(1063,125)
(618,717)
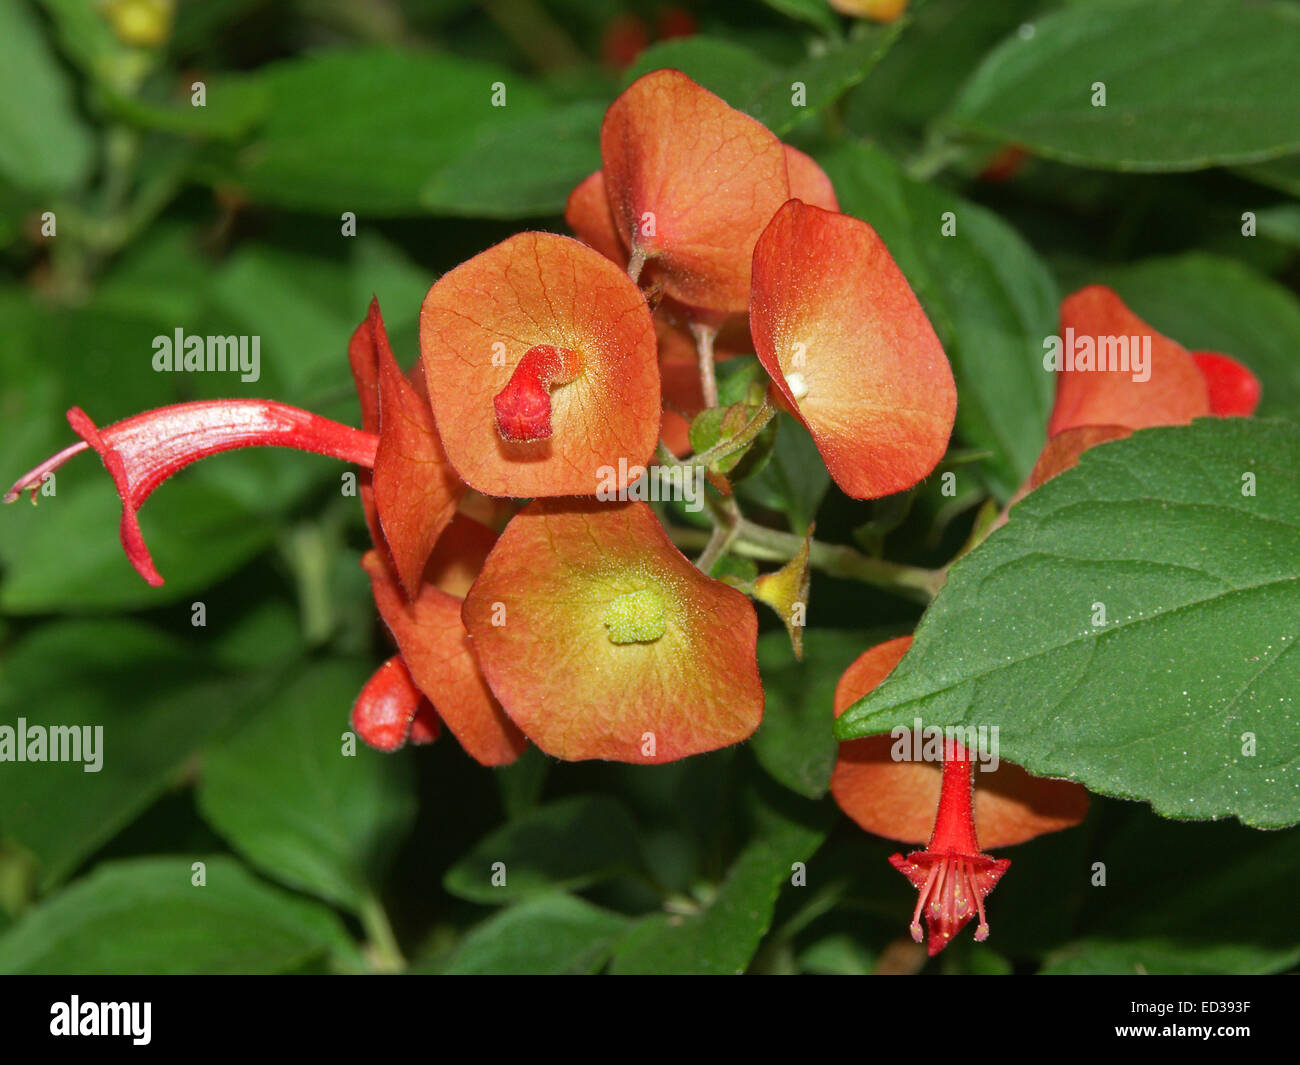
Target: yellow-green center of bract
(635,617)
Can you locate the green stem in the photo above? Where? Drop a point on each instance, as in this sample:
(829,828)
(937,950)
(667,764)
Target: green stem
(935,157)
(727,521)
(770,545)
(380,941)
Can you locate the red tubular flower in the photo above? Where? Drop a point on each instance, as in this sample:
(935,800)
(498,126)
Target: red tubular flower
(892,797)
(523,407)
(143,451)
(951,875)
(1234,390)
(424,557)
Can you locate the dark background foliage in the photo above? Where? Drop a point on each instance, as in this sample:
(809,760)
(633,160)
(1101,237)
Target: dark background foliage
(222,741)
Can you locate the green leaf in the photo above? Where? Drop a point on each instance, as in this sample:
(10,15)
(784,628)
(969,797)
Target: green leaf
(837,955)
(1184,898)
(232,106)
(145,916)
(522,167)
(988,296)
(1148,957)
(365,130)
(1213,304)
(286,796)
(1281,174)
(724,935)
(1188,85)
(302,306)
(44,146)
(551,933)
(816,13)
(157,703)
(751,84)
(570,843)
(941,46)
(66,553)
(1281,223)
(1194,658)
(796,741)
(794,479)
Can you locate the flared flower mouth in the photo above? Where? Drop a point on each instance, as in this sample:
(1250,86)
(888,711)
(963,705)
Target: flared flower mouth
(952,888)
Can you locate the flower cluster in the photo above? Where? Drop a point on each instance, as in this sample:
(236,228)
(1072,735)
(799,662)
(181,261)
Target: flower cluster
(547,361)
(528,607)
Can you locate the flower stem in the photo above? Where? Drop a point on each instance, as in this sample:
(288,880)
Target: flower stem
(771,545)
(635,264)
(727,520)
(704,335)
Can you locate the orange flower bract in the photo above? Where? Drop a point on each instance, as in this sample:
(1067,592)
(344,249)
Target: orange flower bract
(1173,394)
(478,323)
(435,647)
(691,182)
(602,641)
(850,350)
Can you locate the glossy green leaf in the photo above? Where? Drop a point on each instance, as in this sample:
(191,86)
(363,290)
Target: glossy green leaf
(521,168)
(1187,85)
(146,916)
(751,84)
(988,296)
(1132,627)
(44,146)
(794,478)
(1184,898)
(365,130)
(570,843)
(816,13)
(158,704)
(551,933)
(723,935)
(303,804)
(796,741)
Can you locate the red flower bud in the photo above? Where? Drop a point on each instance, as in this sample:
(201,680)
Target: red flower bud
(385,712)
